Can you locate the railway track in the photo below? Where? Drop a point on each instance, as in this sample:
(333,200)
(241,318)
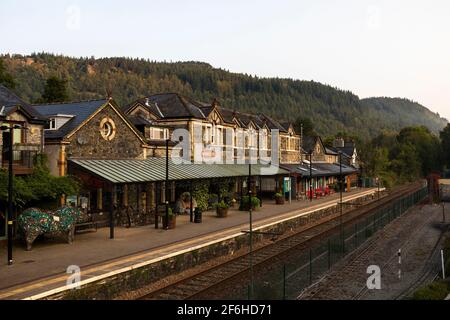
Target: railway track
(194,286)
(429,273)
(391,264)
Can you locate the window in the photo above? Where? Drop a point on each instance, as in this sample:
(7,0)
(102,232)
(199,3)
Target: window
(158,133)
(51,124)
(107,129)
(264,139)
(207,134)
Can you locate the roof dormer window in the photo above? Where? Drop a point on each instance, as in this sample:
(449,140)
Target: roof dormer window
(51,124)
(57,121)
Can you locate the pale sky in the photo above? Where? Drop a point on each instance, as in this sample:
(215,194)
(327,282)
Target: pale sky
(391,48)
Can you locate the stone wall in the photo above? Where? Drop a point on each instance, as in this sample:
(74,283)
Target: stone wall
(89,143)
(31,136)
(52,152)
(290,156)
(34,133)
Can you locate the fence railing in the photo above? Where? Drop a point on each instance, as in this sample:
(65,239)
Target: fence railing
(286,280)
(22,158)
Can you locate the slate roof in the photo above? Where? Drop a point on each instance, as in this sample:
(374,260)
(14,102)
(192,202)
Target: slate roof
(12,102)
(346,151)
(272,123)
(137,120)
(8,98)
(173,105)
(331,151)
(81,110)
(206,110)
(285,124)
(227,114)
(308,143)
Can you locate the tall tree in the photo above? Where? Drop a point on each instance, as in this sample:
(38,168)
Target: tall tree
(6,79)
(55,90)
(426,144)
(307,124)
(445,143)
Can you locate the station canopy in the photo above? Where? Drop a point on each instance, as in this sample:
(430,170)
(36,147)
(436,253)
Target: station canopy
(319,169)
(154,169)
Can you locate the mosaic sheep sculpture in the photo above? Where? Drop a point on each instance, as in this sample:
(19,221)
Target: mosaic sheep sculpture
(34,222)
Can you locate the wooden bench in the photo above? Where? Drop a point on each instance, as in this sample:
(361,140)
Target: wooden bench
(87,225)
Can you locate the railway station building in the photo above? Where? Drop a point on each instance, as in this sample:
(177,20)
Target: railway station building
(119,155)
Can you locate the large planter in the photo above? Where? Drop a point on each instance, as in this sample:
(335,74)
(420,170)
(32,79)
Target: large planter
(279,200)
(172,221)
(245,204)
(222,212)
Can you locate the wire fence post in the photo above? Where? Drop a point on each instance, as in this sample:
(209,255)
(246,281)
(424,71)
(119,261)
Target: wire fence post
(310,266)
(329,253)
(374,222)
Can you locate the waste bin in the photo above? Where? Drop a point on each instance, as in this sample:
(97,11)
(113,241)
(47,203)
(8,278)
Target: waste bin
(197,215)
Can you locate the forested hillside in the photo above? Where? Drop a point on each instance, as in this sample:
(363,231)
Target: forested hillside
(330,109)
(394,113)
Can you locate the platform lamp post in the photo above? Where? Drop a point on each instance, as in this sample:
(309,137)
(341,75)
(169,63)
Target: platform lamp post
(251,226)
(340,201)
(166,189)
(443,204)
(310,177)
(10,218)
(378,184)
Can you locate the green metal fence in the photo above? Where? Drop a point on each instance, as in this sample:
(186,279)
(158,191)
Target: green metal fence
(287,279)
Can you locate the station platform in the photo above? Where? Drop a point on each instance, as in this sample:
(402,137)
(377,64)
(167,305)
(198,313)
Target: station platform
(41,272)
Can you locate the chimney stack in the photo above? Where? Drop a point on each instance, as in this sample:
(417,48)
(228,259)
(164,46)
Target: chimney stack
(338,143)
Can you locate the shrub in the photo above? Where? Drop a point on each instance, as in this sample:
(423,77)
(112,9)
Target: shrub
(200,193)
(38,189)
(246,202)
(278,195)
(222,205)
(432,291)
(213,197)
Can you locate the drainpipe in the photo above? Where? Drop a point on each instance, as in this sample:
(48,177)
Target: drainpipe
(62,173)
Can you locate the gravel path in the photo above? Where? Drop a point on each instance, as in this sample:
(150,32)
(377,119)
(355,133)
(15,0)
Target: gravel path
(417,233)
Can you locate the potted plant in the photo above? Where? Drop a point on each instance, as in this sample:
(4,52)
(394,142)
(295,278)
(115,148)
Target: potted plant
(279,199)
(213,199)
(247,203)
(222,209)
(172,219)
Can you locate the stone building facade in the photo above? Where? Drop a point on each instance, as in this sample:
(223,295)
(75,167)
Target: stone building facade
(28,139)
(95,130)
(215,134)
